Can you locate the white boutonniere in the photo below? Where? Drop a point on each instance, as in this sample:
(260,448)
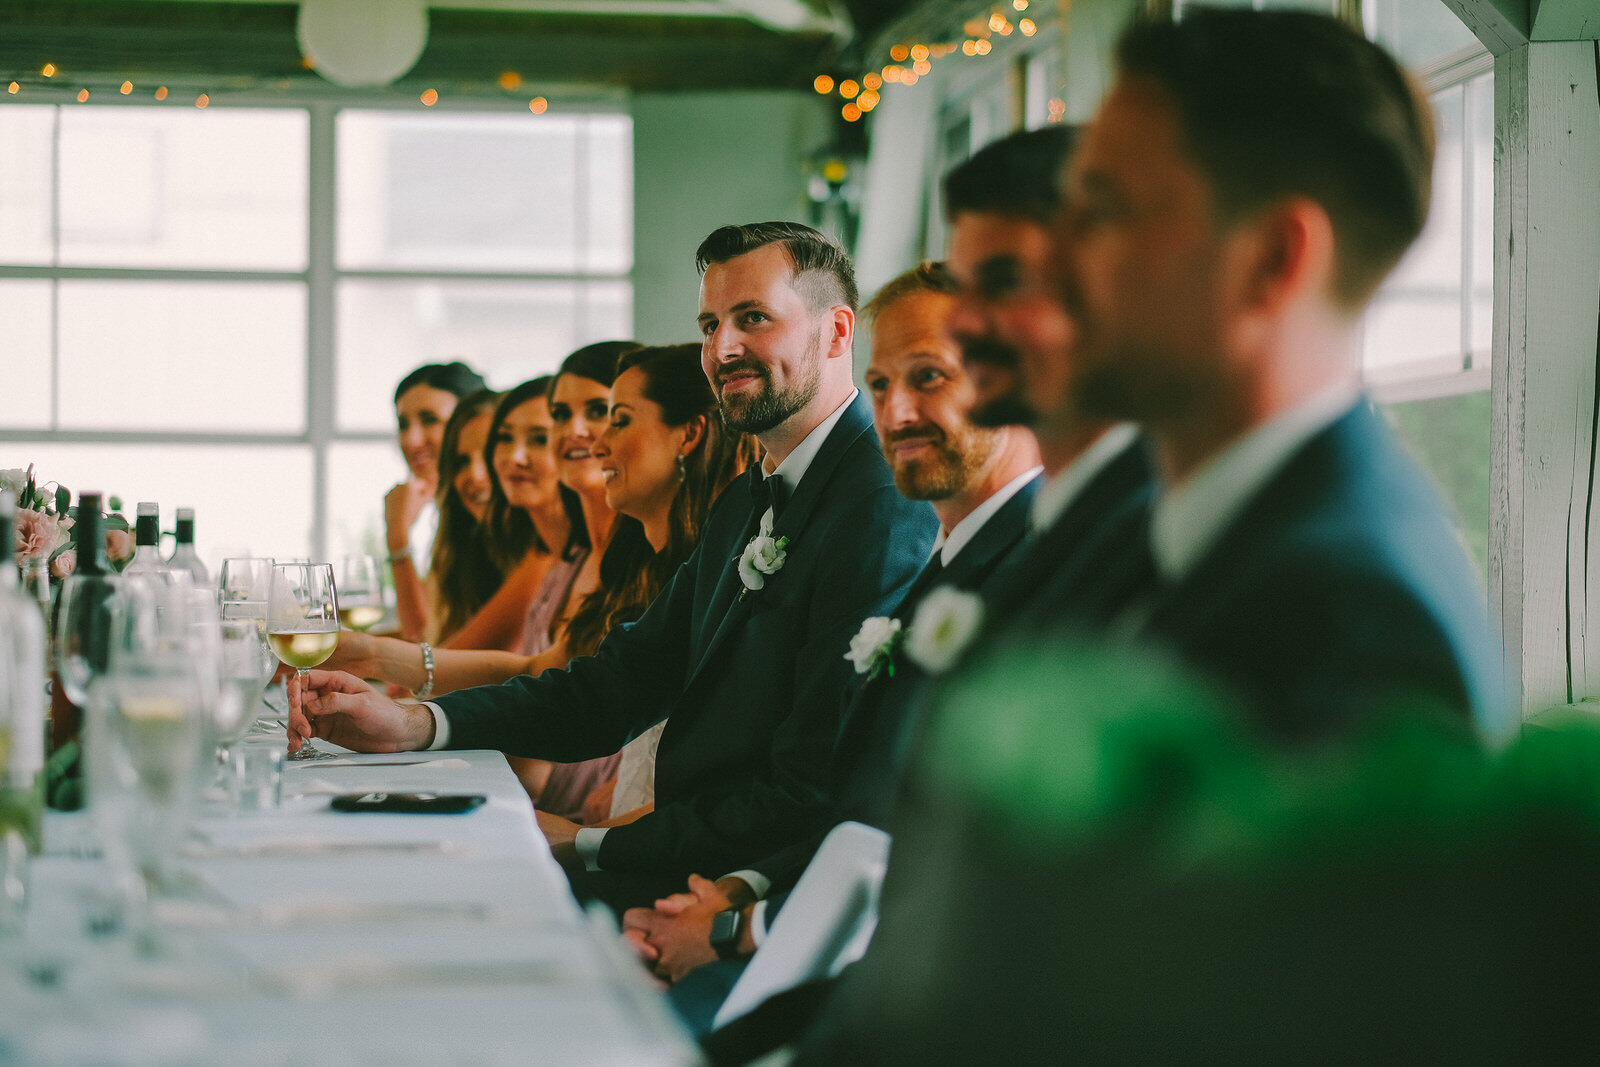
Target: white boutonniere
(872,648)
(762,557)
(945,623)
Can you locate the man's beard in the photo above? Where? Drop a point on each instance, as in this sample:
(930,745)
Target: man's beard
(767,407)
(949,470)
(995,370)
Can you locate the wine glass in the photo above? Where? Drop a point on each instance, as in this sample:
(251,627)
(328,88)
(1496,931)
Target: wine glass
(244,580)
(84,618)
(247,668)
(147,730)
(302,615)
(360,593)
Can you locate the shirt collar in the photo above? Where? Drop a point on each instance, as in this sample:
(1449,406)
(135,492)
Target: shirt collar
(1187,519)
(1058,493)
(965,530)
(795,464)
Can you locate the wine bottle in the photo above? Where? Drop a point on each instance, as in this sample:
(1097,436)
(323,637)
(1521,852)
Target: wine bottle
(97,578)
(146,537)
(184,557)
(22,699)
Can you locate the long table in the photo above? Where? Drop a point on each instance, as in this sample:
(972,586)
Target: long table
(308,936)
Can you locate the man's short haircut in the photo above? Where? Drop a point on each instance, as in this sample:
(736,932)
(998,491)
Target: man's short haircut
(1018,176)
(925,277)
(823,273)
(456,378)
(1274,104)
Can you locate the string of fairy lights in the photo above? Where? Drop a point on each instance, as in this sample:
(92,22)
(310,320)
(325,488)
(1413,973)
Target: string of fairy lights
(909,62)
(51,78)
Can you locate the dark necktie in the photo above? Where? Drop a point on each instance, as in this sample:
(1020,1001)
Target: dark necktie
(767,492)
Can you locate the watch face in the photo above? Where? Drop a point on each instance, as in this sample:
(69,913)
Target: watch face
(725,932)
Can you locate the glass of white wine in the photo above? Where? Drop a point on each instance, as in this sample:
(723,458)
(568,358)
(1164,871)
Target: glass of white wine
(360,593)
(302,615)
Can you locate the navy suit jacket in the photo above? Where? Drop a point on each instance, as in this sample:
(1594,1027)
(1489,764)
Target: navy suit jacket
(1340,591)
(751,685)
(879,722)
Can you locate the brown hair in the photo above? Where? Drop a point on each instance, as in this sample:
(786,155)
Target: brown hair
(823,273)
(462,576)
(926,277)
(1275,104)
(631,571)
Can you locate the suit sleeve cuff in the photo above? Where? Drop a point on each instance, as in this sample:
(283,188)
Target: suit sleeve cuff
(759,883)
(758,922)
(441,726)
(587,842)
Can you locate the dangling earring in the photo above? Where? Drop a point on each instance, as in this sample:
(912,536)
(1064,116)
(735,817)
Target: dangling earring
(683,471)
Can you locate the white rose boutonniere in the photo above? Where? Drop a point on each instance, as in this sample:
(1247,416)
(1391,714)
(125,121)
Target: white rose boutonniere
(945,623)
(872,648)
(763,557)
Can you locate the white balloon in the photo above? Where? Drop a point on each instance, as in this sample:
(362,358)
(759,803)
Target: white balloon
(362,44)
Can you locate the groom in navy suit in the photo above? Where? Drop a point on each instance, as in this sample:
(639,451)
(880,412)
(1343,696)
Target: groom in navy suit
(744,650)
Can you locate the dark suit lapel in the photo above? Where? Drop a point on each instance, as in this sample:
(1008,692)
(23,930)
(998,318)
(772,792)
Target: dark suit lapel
(1055,549)
(856,420)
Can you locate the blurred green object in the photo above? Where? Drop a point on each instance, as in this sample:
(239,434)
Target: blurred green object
(63,783)
(1098,860)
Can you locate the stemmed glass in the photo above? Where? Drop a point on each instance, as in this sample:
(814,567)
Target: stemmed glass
(360,592)
(247,668)
(302,615)
(84,631)
(244,580)
(147,730)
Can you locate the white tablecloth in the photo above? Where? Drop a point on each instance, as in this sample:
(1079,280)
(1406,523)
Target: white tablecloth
(309,936)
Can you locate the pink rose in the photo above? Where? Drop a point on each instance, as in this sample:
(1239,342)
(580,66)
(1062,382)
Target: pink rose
(119,545)
(38,535)
(64,563)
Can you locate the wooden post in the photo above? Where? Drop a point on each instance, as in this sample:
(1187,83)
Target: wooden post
(1544,527)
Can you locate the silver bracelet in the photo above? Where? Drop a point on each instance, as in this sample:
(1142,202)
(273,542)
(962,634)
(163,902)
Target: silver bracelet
(427,665)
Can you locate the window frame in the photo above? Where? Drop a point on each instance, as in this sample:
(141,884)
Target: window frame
(321,277)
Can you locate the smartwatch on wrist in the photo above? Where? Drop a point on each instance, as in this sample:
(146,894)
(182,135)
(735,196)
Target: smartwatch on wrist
(726,926)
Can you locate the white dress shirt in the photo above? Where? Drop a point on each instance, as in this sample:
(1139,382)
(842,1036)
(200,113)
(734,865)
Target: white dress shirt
(1058,493)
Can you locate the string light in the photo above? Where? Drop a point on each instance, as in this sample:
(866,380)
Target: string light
(202,101)
(1027,27)
(538,105)
(893,74)
(83,95)
(510,81)
(867,100)
(910,78)
(848,89)
(823,84)
(996,20)
(308,62)
(975,27)
(982,47)
(871,82)
(899,53)
(13,88)
(1020,5)
(850,112)
(969,48)
(1005,29)
(161,93)
(429,97)
(919,52)
(48,70)
(127,87)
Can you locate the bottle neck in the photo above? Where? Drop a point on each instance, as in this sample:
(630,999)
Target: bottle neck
(147,531)
(185,532)
(91,542)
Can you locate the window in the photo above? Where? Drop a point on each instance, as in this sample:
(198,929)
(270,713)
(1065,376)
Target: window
(197,308)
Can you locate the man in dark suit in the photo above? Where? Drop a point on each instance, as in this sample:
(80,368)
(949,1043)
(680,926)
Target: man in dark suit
(1248,181)
(743,651)
(981,482)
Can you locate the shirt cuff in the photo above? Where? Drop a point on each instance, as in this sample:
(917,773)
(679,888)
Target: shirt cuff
(758,922)
(441,726)
(759,883)
(587,842)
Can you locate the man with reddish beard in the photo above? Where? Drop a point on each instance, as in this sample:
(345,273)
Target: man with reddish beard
(981,482)
(744,651)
